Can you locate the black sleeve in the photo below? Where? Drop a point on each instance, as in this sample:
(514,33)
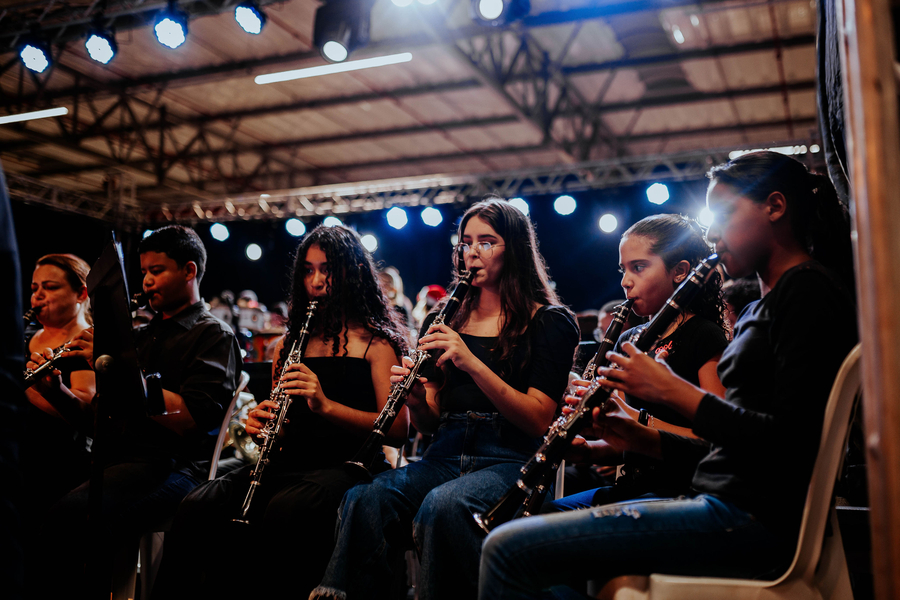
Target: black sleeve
(680,454)
(809,344)
(553,350)
(210,379)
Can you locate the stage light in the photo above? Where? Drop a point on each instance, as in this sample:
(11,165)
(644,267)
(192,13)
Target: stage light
(401,3)
(352,65)
(171,26)
(147,232)
(706,217)
(35,56)
(565,205)
(498,12)
(814,148)
(427,2)
(608,223)
(396,218)
(37,114)
(295,227)
(254,252)
(219,232)
(520,204)
(250,17)
(454,239)
(432,216)
(370,242)
(332,222)
(341,26)
(101,46)
(658,193)
(676,33)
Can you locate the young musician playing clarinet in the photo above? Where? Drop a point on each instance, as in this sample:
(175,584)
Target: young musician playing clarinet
(656,254)
(154,461)
(338,387)
(775,219)
(506,354)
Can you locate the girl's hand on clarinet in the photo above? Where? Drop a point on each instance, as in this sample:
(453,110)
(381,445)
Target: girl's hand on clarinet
(441,337)
(574,392)
(257,418)
(638,374)
(417,391)
(301,381)
(613,424)
(52,379)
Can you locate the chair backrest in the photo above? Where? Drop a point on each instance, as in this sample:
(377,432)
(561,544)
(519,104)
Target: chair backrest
(226,420)
(828,462)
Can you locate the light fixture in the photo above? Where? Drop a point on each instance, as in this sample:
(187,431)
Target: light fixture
(35,55)
(219,232)
(171,26)
(608,223)
(295,227)
(520,204)
(254,252)
(706,217)
(401,3)
(101,45)
(498,12)
(370,242)
(432,216)
(676,33)
(332,222)
(250,17)
(396,218)
(353,65)
(565,205)
(37,114)
(657,193)
(341,26)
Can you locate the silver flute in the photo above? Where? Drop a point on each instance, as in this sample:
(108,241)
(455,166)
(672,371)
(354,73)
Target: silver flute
(272,428)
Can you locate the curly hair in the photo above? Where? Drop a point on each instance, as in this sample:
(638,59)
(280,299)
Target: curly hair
(675,238)
(353,294)
(524,281)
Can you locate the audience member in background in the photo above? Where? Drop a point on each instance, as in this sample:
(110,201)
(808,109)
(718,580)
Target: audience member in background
(738,294)
(426,300)
(339,387)
(392,284)
(153,461)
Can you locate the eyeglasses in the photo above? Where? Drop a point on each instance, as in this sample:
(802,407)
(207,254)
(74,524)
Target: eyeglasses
(485,249)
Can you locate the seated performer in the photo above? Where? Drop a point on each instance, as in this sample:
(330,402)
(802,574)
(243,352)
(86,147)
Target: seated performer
(153,462)
(506,356)
(775,219)
(342,381)
(656,254)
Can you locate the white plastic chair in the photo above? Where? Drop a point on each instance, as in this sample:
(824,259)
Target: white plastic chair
(819,569)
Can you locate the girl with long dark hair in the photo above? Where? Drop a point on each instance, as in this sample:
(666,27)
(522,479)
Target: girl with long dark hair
(504,362)
(775,219)
(338,388)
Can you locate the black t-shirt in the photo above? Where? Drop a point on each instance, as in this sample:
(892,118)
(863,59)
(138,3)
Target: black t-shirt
(543,362)
(778,372)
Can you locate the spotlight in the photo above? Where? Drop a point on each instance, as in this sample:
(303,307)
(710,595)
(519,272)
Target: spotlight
(370,242)
(401,3)
(35,55)
(250,17)
(101,45)
(171,26)
(657,193)
(254,252)
(498,12)
(341,26)
(332,222)
(706,217)
(520,204)
(396,218)
(608,223)
(454,239)
(295,227)
(432,216)
(565,205)
(219,232)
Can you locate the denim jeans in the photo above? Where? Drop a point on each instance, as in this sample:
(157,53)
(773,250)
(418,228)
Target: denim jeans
(473,459)
(681,536)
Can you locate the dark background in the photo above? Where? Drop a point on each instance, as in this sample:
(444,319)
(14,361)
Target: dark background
(583,260)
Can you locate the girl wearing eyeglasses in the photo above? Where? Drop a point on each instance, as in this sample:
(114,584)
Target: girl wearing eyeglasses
(503,365)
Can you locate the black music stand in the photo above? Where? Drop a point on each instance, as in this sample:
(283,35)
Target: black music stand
(121,391)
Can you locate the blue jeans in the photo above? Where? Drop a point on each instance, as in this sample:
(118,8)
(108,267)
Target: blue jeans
(681,536)
(473,459)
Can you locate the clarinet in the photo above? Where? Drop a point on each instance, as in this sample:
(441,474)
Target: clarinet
(31,314)
(620,316)
(272,428)
(557,443)
(33,375)
(364,459)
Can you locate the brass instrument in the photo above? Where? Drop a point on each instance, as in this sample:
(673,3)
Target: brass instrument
(557,442)
(364,459)
(244,447)
(272,428)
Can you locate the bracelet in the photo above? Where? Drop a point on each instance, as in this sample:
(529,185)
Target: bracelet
(652,422)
